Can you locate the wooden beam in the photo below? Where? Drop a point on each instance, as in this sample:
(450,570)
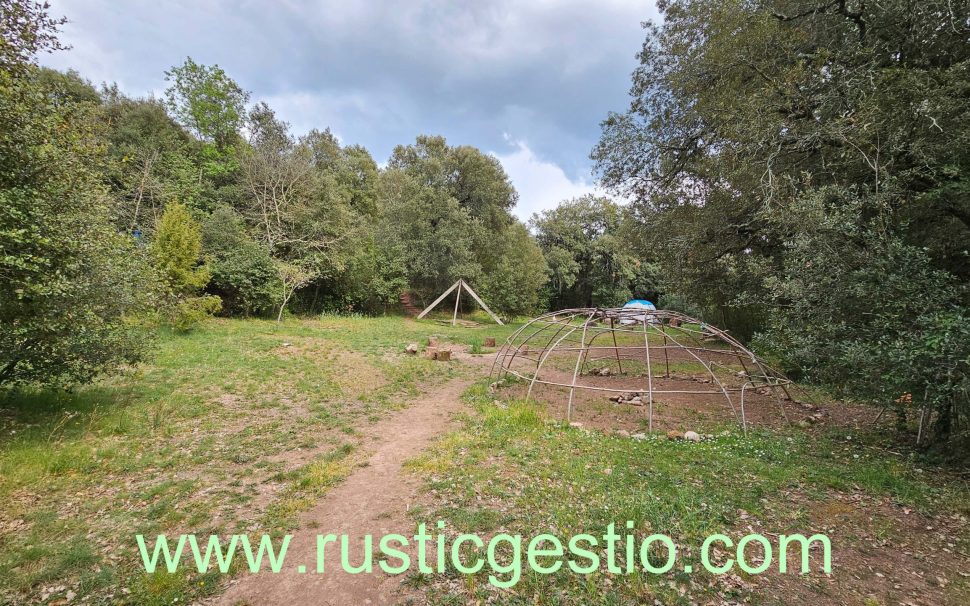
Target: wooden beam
(454,318)
(438,300)
(480,302)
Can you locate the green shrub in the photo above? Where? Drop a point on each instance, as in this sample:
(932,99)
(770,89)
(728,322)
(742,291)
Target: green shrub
(189,312)
(243,274)
(177,253)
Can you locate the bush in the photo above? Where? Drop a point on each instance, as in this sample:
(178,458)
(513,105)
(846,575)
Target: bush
(862,312)
(243,274)
(187,313)
(177,251)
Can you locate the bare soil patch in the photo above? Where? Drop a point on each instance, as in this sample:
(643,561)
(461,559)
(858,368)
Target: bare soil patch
(677,411)
(373,500)
(882,553)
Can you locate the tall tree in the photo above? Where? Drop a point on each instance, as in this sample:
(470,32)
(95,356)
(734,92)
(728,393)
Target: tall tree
(296,210)
(70,283)
(206,101)
(452,207)
(769,140)
(590,262)
(151,161)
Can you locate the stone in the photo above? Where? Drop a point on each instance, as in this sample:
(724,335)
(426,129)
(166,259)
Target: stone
(489,341)
(623,433)
(635,401)
(616,399)
(605,372)
(575,424)
(692,436)
(639,436)
(675,435)
(412,348)
(804,424)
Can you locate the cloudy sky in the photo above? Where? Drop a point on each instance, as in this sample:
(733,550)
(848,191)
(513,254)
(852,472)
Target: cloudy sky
(528,81)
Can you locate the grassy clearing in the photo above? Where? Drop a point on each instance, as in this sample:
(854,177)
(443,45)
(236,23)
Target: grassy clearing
(238,425)
(512,470)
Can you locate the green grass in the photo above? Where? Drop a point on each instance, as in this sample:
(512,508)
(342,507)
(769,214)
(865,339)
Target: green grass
(187,441)
(513,468)
(245,424)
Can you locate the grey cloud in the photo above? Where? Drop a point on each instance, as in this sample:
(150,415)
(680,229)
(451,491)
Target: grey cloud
(379,73)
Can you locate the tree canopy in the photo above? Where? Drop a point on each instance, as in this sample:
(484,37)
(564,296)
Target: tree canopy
(806,164)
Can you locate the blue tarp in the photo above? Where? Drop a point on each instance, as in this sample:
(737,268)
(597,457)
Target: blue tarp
(640,304)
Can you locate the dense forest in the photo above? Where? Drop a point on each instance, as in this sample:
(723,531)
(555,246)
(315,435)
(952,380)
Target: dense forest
(801,170)
(812,197)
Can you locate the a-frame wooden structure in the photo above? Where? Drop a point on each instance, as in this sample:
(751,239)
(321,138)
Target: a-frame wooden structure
(460,284)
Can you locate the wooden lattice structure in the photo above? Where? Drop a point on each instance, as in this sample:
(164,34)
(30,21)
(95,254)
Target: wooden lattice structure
(457,287)
(566,349)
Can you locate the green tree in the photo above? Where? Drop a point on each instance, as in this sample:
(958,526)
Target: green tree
(770,145)
(177,252)
(72,287)
(590,262)
(427,233)
(513,287)
(151,161)
(298,213)
(26,30)
(206,101)
(446,215)
(475,180)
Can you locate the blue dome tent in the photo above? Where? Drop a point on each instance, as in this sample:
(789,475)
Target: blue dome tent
(639,304)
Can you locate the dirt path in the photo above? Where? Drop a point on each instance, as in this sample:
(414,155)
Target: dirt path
(373,500)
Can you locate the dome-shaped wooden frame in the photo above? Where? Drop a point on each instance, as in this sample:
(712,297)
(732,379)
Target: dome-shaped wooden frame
(649,337)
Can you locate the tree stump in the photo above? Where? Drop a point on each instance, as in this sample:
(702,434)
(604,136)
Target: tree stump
(444,355)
